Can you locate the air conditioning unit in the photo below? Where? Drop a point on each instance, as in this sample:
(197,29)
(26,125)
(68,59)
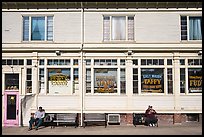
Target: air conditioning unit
(113,118)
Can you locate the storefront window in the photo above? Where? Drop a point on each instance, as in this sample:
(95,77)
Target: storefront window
(195,80)
(105,80)
(59,80)
(152,80)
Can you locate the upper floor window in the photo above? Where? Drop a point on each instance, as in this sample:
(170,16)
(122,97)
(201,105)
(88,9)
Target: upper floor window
(191,28)
(38,28)
(118,28)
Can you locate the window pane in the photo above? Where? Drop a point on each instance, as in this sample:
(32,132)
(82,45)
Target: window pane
(195,80)
(182,80)
(195,28)
(11,81)
(105,80)
(118,28)
(106,28)
(130,28)
(152,80)
(38,28)
(50,28)
(29,61)
(25,28)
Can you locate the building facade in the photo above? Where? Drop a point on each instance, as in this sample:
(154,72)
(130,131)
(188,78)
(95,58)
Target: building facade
(102,57)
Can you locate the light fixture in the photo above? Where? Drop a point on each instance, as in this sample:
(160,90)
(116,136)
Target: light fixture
(129,52)
(200,53)
(58,52)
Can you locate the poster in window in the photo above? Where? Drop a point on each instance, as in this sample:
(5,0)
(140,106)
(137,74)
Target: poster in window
(195,80)
(105,80)
(152,80)
(59,80)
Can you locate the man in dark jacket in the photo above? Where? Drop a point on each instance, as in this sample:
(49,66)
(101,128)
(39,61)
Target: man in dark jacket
(151,119)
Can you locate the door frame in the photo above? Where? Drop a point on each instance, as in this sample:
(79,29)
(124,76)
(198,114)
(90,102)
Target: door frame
(6,121)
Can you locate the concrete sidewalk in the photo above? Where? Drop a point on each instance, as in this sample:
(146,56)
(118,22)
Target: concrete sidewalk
(191,128)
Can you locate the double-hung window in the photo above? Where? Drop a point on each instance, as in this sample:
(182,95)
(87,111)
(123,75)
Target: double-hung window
(118,28)
(37,28)
(191,28)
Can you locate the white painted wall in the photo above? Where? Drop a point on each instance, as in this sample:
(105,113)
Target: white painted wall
(11,27)
(67,27)
(157,27)
(59,103)
(93,27)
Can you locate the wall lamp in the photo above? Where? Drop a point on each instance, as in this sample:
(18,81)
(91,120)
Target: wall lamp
(58,53)
(129,52)
(200,53)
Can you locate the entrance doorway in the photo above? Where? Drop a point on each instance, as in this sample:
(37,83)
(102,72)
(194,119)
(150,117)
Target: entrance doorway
(11,109)
(11,100)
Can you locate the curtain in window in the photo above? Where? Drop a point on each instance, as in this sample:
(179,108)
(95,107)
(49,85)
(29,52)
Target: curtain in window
(38,28)
(195,28)
(118,28)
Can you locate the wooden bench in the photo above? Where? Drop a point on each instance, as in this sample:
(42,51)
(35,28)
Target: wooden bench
(48,120)
(94,118)
(66,118)
(139,119)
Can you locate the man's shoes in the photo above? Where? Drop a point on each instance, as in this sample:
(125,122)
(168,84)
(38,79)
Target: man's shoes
(29,129)
(36,128)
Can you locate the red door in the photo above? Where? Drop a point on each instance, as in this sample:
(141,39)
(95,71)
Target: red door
(11,108)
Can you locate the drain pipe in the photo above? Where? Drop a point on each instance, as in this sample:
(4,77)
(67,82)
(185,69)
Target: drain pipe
(82,62)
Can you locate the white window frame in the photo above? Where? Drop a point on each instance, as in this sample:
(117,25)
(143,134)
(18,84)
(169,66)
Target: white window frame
(45,39)
(126,27)
(188,30)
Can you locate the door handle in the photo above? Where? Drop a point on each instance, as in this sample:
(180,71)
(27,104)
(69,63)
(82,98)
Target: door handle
(17,112)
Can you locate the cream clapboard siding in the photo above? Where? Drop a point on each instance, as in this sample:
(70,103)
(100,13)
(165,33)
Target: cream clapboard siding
(11,27)
(93,26)
(157,27)
(60,103)
(67,27)
(191,103)
(159,102)
(105,103)
(129,104)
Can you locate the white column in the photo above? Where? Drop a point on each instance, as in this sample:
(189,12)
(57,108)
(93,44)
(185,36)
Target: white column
(129,85)
(35,84)
(176,82)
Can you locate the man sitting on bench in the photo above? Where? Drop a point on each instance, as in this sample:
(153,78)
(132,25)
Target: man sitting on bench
(151,119)
(37,119)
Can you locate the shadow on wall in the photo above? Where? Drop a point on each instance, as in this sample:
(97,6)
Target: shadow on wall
(26,102)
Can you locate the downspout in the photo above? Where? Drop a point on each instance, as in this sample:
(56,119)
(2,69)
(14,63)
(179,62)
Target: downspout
(82,67)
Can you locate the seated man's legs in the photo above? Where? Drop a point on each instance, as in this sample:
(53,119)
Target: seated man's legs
(147,121)
(39,122)
(153,121)
(31,122)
